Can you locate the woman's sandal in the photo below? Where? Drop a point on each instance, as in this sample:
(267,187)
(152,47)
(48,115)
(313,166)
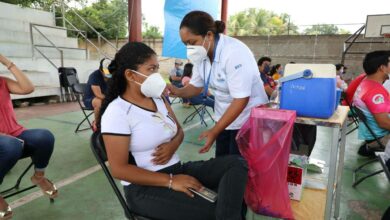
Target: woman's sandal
(6,213)
(53,193)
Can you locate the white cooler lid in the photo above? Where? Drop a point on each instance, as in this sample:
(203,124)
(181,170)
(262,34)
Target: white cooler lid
(319,70)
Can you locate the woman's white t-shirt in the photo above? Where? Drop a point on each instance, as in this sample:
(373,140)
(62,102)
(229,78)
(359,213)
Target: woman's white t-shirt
(147,129)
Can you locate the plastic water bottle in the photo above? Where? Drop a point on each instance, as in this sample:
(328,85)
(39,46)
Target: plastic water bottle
(274,99)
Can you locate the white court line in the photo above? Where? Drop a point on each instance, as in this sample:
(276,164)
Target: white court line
(37,194)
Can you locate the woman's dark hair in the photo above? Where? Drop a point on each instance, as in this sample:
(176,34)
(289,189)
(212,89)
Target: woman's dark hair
(129,56)
(274,69)
(200,22)
(188,70)
(374,60)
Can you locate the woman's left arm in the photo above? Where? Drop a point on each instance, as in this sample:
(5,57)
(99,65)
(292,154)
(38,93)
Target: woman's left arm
(22,85)
(233,111)
(165,151)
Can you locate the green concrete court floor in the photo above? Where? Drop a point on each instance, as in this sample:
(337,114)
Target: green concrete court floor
(91,197)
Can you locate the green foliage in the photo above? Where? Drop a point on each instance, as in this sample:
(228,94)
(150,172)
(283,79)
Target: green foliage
(150,32)
(321,29)
(325,29)
(254,21)
(108,17)
(39,4)
(25,3)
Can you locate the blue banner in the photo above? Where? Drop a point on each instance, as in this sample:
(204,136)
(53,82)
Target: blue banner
(174,12)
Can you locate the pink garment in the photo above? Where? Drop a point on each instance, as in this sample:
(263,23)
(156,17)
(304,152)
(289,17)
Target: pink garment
(8,123)
(185,80)
(372,96)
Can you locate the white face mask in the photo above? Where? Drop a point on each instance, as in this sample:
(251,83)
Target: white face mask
(153,86)
(197,53)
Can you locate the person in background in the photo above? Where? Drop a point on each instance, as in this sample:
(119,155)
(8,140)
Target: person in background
(263,65)
(276,72)
(196,100)
(17,141)
(350,92)
(96,88)
(341,84)
(374,101)
(176,73)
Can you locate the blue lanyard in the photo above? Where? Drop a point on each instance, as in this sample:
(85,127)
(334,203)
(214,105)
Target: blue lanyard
(207,82)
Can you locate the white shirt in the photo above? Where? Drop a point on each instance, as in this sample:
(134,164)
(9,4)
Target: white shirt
(148,130)
(234,75)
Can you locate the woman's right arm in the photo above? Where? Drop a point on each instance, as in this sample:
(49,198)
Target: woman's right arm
(22,85)
(117,153)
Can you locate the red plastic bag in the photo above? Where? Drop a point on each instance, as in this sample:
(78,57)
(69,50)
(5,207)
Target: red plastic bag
(265,142)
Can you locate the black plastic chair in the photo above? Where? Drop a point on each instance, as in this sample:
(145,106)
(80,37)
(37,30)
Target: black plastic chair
(79,90)
(99,150)
(378,157)
(198,110)
(68,77)
(355,120)
(15,190)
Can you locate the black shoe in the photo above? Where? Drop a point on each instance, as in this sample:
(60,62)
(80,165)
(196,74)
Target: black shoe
(365,152)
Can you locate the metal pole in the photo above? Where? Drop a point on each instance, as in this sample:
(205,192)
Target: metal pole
(62,58)
(32,41)
(315,47)
(86,46)
(224,9)
(288,27)
(63,13)
(135,20)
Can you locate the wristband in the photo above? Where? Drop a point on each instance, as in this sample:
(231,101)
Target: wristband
(10,65)
(170,181)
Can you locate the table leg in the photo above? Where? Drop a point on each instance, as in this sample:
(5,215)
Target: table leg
(332,172)
(340,169)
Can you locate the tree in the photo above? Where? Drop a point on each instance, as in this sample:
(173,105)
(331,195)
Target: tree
(107,17)
(26,3)
(150,31)
(41,4)
(260,22)
(319,29)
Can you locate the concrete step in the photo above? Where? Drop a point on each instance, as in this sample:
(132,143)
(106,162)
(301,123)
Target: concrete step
(24,50)
(41,72)
(10,24)
(10,11)
(45,77)
(39,91)
(24,38)
(37,78)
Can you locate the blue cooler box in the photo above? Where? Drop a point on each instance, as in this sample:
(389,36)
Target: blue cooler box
(310,97)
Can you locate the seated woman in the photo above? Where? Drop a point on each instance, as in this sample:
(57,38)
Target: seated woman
(141,135)
(16,141)
(276,72)
(197,100)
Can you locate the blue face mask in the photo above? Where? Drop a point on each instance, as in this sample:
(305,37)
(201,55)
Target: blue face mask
(266,69)
(280,72)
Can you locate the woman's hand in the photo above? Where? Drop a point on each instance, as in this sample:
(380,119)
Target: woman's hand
(210,136)
(163,153)
(182,183)
(172,90)
(4,60)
